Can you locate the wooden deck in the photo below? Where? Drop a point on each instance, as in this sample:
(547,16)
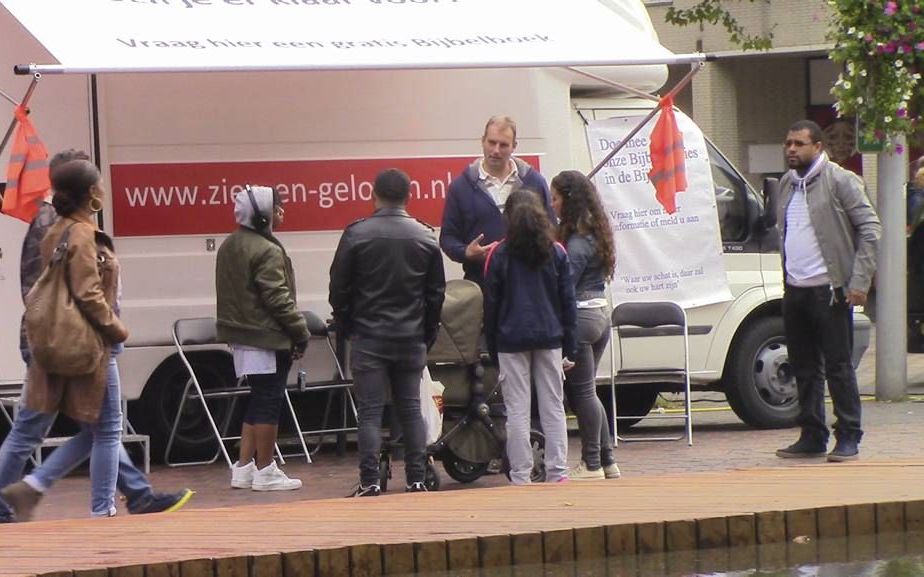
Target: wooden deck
(401,533)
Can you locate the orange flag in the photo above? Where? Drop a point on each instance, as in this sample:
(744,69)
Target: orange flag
(27,180)
(668,171)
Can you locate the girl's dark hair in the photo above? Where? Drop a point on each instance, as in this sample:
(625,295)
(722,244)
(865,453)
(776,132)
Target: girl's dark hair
(582,213)
(529,232)
(72,182)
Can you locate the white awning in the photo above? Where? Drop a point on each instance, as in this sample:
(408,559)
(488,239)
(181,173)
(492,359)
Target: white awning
(95,36)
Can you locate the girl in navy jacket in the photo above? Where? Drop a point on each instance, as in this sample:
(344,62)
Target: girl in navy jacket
(530,317)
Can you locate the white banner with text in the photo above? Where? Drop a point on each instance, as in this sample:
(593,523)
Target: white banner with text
(659,256)
(334,34)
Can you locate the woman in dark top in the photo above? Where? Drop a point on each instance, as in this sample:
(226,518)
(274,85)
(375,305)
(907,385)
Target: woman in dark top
(585,231)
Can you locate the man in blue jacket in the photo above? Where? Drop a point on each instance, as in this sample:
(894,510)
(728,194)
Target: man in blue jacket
(472,219)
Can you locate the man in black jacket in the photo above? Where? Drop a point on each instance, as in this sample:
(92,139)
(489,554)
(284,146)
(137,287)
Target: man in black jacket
(386,289)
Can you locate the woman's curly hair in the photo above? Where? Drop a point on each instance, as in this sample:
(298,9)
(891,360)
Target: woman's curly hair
(582,213)
(529,232)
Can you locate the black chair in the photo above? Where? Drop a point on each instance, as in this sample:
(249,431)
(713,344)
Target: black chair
(338,383)
(201,332)
(644,320)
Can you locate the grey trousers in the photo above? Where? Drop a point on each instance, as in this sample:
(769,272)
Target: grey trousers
(593,333)
(544,367)
(378,365)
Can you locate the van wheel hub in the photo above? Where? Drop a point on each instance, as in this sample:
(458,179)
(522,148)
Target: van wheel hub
(773,375)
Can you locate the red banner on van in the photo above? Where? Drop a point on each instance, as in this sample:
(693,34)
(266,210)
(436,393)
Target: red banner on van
(318,195)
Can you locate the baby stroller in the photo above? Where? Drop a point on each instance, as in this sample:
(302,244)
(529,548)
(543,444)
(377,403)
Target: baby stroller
(473,410)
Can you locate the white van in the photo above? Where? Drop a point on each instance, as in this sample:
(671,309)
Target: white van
(175,148)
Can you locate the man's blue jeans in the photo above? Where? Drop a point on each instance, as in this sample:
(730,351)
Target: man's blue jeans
(27,434)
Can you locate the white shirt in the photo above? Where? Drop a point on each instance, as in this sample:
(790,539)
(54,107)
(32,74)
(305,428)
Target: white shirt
(253,361)
(805,265)
(499,188)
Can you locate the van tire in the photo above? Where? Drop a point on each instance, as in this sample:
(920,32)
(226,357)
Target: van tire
(633,402)
(155,410)
(758,381)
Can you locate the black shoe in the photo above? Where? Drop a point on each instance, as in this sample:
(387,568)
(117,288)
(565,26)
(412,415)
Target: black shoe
(369,491)
(164,502)
(805,448)
(417,487)
(844,450)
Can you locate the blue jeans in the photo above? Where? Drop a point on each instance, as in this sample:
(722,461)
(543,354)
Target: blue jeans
(29,430)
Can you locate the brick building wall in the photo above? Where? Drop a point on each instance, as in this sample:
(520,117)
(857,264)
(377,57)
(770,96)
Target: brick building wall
(749,98)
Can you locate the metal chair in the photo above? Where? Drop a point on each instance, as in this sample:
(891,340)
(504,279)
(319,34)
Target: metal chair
(198,332)
(11,396)
(339,382)
(651,319)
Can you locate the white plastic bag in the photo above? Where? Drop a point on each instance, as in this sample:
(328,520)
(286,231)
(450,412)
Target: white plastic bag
(431,405)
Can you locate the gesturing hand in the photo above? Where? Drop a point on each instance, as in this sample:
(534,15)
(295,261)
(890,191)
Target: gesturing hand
(476,251)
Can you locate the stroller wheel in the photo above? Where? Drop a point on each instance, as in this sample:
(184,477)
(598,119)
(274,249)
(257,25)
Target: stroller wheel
(384,470)
(537,442)
(461,470)
(432,477)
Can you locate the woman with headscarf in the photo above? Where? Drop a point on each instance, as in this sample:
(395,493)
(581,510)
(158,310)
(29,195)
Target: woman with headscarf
(259,318)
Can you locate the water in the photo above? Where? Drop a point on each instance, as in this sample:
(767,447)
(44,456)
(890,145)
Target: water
(886,555)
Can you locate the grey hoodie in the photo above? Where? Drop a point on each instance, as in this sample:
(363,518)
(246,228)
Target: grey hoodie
(244,208)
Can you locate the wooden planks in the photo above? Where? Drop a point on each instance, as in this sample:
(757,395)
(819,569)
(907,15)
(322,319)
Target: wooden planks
(489,528)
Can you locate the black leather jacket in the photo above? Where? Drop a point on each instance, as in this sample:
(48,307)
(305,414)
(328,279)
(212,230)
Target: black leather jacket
(387,278)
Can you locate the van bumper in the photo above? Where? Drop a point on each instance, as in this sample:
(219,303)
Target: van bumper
(861,330)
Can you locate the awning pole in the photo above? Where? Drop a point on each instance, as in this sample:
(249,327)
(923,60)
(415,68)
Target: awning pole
(12,100)
(614,84)
(25,100)
(694,68)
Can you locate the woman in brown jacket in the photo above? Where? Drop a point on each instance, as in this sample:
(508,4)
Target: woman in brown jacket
(92,400)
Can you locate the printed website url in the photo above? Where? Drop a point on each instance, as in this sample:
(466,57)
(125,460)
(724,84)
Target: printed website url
(324,194)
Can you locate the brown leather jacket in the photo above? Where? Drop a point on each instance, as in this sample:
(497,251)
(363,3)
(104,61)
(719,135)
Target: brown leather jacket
(94,278)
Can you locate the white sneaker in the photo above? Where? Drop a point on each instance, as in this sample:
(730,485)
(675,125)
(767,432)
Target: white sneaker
(242,476)
(580,472)
(272,478)
(611,471)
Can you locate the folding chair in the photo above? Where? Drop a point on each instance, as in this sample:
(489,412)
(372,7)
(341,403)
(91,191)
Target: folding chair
(10,396)
(339,382)
(197,332)
(651,319)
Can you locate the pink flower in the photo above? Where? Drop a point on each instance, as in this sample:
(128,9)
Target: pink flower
(920,45)
(890,48)
(891,8)
(901,112)
(868,38)
(899,149)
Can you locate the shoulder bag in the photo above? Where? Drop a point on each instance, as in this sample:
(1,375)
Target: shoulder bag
(61,338)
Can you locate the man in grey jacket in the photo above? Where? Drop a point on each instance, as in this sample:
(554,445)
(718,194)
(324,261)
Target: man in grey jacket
(829,236)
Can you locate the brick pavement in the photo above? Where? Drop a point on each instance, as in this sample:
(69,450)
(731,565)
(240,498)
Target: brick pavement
(721,442)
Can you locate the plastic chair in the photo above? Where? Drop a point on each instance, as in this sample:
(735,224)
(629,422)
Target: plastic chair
(201,331)
(651,319)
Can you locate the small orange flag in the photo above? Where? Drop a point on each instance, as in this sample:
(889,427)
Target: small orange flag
(668,171)
(27,179)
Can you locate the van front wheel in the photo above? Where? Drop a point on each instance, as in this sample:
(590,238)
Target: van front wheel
(759,382)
